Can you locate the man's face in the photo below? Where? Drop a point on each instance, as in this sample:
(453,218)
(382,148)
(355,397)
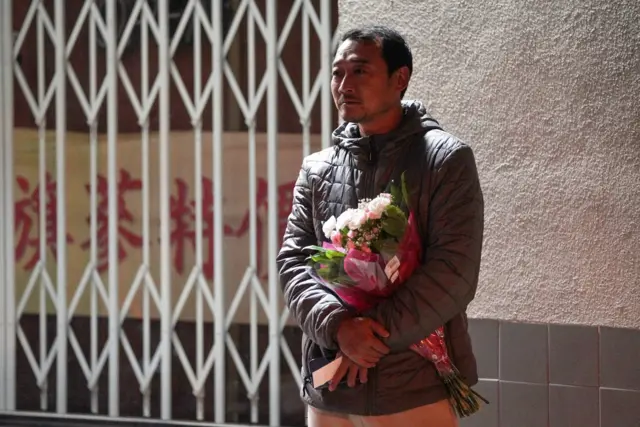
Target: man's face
(361,86)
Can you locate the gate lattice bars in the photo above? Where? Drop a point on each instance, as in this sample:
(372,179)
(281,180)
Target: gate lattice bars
(7,322)
(153,281)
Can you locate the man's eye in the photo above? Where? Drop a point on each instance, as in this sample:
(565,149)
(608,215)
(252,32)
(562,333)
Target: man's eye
(358,71)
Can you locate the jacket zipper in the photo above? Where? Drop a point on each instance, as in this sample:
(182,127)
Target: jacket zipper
(370,185)
(449,344)
(370,190)
(308,378)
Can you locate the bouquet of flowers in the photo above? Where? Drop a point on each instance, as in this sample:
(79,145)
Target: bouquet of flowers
(373,249)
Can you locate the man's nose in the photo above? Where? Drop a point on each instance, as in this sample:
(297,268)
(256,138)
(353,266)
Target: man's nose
(346,85)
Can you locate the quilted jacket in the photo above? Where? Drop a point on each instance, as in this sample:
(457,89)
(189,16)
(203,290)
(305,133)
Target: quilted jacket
(443,185)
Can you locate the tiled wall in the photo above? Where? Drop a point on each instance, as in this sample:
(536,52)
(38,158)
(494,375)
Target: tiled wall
(533,375)
(538,375)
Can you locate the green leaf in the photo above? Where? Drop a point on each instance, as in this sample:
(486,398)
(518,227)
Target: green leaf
(393,213)
(388,246)
(320,258)
(396,193)
(405,192)
(325,273)
(332,253)
(394,228)
(395,221)
(324,255)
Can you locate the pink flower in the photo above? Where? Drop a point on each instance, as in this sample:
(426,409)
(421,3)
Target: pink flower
(379,205)
(365,248)
(351,234)
(371,215)
(336,238)
(351,245)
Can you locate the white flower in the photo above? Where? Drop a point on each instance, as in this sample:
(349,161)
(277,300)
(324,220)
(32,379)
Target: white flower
(363,203)
(358,218)
(378,205)
(329,226)
(344,219)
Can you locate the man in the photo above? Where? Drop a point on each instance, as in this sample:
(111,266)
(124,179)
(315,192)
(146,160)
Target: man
(381,137)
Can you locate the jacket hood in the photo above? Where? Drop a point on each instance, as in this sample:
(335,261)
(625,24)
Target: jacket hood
(416,120)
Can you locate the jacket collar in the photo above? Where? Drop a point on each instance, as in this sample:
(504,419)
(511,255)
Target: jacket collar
(415,120)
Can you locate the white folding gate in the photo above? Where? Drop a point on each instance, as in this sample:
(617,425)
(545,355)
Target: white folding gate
(43,285)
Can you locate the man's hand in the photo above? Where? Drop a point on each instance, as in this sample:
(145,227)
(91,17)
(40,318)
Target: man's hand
(358,341)
(351,369)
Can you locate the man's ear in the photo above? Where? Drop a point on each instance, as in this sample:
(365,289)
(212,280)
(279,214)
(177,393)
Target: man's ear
(401,76)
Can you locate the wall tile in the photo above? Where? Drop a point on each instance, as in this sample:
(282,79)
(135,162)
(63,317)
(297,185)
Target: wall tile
(619,358)
(573,355)
(487,416)
(484,338)
(619,408)
(524,405)
(573,406)
(523,352)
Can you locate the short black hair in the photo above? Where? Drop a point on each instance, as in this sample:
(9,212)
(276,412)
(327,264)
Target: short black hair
(394,48)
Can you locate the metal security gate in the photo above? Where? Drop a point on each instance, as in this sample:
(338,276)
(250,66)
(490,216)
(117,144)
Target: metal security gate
(148,150)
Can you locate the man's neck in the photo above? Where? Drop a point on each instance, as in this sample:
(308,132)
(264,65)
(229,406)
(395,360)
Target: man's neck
(383,123)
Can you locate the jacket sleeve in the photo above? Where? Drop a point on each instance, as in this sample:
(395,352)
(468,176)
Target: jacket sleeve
(446,282)
(314,307)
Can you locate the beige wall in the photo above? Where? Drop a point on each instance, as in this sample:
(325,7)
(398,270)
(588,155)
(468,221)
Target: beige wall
(547,93)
